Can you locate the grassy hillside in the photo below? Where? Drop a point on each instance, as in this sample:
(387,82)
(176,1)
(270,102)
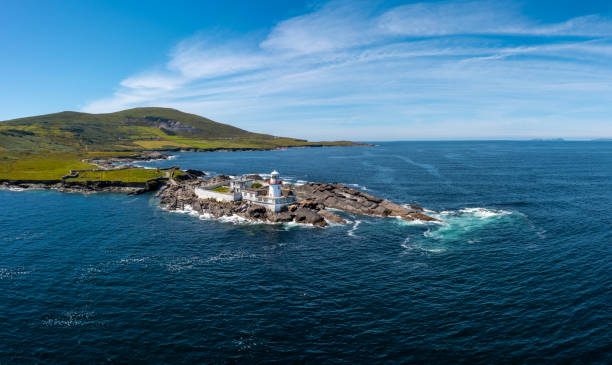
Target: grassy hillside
(49,145)
(128,130)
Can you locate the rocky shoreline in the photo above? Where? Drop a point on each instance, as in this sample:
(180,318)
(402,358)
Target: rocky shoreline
(77,187)
(111,162)
(314,201)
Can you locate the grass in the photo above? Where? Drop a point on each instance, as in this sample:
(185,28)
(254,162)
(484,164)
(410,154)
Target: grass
(221,189)
(40,166)
(256,185)
(160,145)
(125,175)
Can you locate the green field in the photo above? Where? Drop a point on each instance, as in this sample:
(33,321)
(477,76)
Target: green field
(40,166)
(125,175)
(46,147)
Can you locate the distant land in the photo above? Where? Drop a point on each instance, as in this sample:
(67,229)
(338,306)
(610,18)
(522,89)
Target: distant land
(47,147)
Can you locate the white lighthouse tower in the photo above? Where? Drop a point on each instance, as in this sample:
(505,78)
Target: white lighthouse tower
(275,185)
(275,200)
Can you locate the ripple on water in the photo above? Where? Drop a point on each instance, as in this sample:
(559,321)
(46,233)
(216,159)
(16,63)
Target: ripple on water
(71,319)
(8,274)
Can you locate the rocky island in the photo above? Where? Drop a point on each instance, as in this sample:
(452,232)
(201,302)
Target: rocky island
(313,202)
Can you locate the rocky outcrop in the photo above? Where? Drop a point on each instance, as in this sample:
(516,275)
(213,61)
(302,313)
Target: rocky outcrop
(313,199)
(331,216)
(219,179)
(182,197)
(341,197)
(110,162)
(85,187)
(195,173)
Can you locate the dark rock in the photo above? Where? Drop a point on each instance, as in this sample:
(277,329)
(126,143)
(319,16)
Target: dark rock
(330,216)
(305,215)
(256,211)
(196,173)
(310,204)
(380,210)
(285,216)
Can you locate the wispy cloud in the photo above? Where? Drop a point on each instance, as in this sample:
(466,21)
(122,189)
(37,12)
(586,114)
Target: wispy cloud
(428,70)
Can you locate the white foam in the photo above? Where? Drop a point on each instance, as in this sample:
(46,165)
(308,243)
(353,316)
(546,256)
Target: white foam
(9,274)
(406,245)
(181,264)
(416,247)
(230,256)
(415,222)
(484,212)
(293,224)
(361,187)
(133,260)
(236,219)
(351,232)
(188,209)
(70,319)
(432,250)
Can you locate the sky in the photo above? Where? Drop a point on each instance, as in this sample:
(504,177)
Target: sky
(321,70)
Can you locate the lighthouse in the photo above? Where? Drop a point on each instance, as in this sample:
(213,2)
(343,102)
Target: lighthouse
(275,200)
(275,184)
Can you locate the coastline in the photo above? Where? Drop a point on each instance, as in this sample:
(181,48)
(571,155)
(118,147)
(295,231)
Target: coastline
(315,204)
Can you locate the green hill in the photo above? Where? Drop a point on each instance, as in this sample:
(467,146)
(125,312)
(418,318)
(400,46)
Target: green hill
(129,130)
(51,144)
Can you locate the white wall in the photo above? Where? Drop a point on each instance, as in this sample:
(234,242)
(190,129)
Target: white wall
(220,197)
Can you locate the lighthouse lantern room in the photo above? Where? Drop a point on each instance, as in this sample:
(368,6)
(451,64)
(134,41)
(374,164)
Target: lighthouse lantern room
(275,185)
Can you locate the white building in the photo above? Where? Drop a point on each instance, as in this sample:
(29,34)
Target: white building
(242,189)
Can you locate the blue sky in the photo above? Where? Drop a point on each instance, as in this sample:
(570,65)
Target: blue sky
(362,70)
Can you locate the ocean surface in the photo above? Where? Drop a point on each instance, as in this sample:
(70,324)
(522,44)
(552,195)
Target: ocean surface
(520,270)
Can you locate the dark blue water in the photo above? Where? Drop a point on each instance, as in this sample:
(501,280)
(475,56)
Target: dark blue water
(520,271)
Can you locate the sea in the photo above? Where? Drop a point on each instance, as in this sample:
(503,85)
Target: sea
(518,270)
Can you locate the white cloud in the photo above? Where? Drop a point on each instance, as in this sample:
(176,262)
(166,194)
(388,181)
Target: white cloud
(482,17)
(347,71)
(337,25)
(197,58)
(154,80)
(450,18)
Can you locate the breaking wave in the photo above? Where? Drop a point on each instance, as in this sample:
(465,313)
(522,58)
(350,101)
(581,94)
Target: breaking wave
(357,186)
(453,226)
(457,224)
